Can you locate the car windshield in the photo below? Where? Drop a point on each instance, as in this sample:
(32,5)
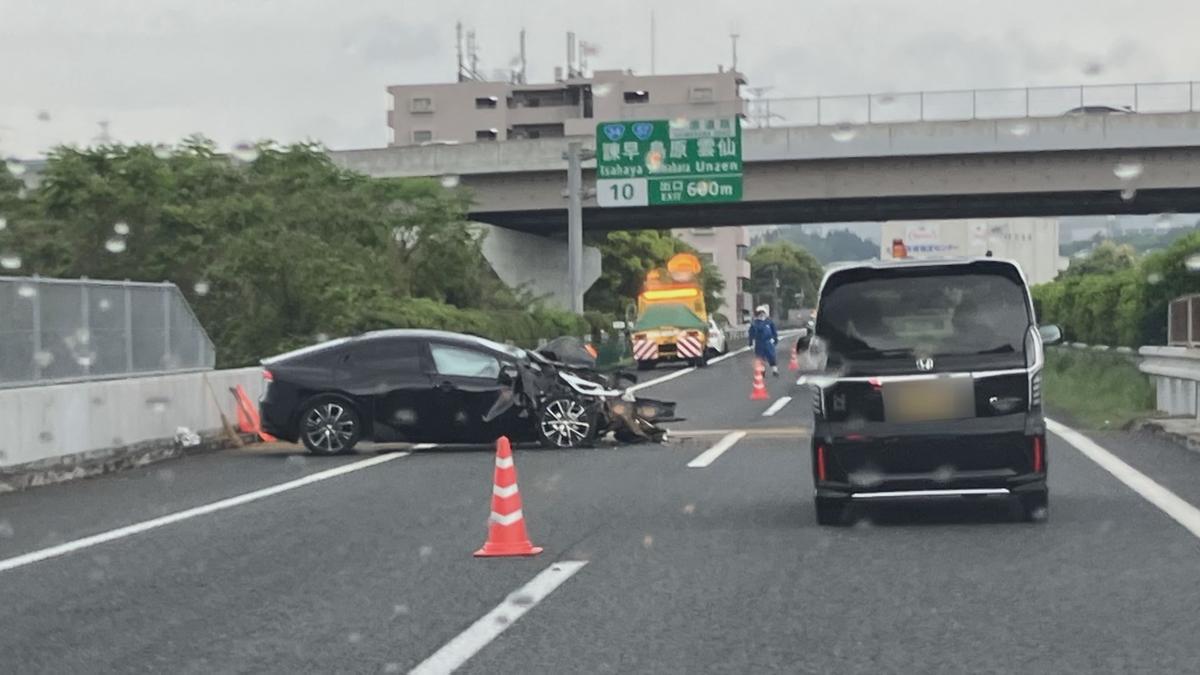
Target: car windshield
(924,314)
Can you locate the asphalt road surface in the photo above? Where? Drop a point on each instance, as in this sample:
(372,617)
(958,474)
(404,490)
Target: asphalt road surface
(363,564)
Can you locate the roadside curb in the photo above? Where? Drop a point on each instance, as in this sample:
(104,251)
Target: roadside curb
(109,460)
(1157,427)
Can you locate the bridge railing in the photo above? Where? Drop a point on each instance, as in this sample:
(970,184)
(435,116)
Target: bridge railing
(942,106)
(66,330)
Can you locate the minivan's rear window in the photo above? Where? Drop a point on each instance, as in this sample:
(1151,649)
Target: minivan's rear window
(934,311)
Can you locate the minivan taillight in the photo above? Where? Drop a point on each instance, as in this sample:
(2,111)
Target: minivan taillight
(820,462)
(1039,460)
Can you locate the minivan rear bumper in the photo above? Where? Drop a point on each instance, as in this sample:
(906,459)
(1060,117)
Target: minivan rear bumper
(981,456)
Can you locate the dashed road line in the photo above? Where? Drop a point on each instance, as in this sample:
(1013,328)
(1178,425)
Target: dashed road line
(710,455)
(777,406)
(466,644)
(1170,503)
(137,528)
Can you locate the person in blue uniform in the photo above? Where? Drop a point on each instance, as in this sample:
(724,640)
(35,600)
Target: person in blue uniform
(764,337)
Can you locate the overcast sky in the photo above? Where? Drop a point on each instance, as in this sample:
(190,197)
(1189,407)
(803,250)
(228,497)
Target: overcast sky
(239,70)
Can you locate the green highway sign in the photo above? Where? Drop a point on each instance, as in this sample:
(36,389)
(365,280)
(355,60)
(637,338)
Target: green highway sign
(656,162)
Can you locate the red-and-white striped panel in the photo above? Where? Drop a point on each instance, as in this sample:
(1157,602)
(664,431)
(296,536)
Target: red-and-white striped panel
(645,350)
(688,346)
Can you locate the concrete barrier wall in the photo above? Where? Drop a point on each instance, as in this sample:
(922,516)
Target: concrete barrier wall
(43,423)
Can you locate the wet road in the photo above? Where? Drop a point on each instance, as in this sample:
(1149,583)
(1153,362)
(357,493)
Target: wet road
(363,563)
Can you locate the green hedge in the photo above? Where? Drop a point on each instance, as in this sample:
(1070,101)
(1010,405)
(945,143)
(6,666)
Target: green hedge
(1125,307)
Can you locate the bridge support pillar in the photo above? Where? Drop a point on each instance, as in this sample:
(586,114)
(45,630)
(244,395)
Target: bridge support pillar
(538,263)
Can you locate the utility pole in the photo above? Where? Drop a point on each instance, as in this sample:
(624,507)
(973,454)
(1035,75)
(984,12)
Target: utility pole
(733,38)
(652,39)
(575,155)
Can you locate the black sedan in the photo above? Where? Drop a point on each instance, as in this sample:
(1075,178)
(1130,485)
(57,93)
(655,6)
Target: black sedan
(438,387)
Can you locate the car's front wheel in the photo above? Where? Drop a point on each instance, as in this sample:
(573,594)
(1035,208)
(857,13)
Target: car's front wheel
(566,423)
(330,426)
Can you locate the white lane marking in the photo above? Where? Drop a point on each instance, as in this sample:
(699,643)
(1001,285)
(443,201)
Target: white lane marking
(145,525)
(1183,512)
(727,355)
(424,446)
(777,406)
(660,380)
(466,644)
(710,455)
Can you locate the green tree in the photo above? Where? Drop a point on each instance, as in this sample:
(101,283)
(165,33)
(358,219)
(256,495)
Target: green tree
(1106,258)
(781,271)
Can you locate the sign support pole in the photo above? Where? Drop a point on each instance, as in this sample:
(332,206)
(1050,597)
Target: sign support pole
(575,225)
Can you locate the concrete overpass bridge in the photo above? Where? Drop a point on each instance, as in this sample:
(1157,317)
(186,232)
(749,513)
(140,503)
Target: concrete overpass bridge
(978,168)
(1068,165)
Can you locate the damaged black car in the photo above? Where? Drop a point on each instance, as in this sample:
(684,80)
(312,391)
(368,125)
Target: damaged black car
(424,386)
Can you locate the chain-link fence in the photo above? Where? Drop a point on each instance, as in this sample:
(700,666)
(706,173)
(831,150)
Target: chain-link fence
(64,330)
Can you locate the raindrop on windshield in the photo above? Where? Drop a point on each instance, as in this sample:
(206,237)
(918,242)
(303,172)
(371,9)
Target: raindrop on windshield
(1019,129)
(648,541)
(1128,194)
(321,337)
(46,437)
(1153,278)
(885,99)
(157,405)
(201,287)
(244,152)
(522,600)
(295,461)
(105,304)
(425,551)
(6,529)
(601,90)
(15,166)
(678,123)
(96,575)
(1192,263)
(1128,170)
(85,360)
(689,509)
(3,223)
(43,358)
(392,667)
(10,261)
(166,475)
(162,151)
(502,619)
(1164,221)
(400,610)
(115,245)
(1093,68)
(449,181)
(43,115)
(121,227)
(26,290)
(843,133)
(354,638)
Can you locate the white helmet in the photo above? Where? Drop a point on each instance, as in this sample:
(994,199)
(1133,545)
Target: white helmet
(762,309)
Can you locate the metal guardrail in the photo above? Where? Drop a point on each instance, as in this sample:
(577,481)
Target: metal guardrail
(54,331)
(940,106)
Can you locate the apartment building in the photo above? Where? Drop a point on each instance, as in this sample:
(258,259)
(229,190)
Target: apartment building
(476,110)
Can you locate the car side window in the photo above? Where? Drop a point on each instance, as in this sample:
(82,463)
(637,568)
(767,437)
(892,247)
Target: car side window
(456,361)
(387,355)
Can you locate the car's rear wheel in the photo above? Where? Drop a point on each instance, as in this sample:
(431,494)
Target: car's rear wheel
(566,423)
(831,511)
(1035,506)
(330,426)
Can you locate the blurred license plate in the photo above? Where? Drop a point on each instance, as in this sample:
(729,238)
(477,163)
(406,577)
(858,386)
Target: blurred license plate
(926,400)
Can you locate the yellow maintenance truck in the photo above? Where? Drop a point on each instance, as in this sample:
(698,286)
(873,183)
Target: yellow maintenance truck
(672,322)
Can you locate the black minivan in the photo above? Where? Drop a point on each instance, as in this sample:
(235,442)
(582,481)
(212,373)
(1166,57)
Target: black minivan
(927,380)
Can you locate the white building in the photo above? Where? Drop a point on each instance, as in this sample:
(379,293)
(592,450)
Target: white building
(1031,242)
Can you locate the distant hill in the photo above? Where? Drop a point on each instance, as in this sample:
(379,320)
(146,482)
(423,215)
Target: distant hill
(833,246)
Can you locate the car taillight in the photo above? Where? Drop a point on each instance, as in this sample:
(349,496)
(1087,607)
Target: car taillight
(820,462)
(1039,460)
(268,376)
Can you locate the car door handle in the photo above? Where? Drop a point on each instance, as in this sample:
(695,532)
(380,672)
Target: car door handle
(446,385)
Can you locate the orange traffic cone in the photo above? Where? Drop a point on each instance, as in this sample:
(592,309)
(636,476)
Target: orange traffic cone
(506,525)
(794,364)
(759,391)
(247,415)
